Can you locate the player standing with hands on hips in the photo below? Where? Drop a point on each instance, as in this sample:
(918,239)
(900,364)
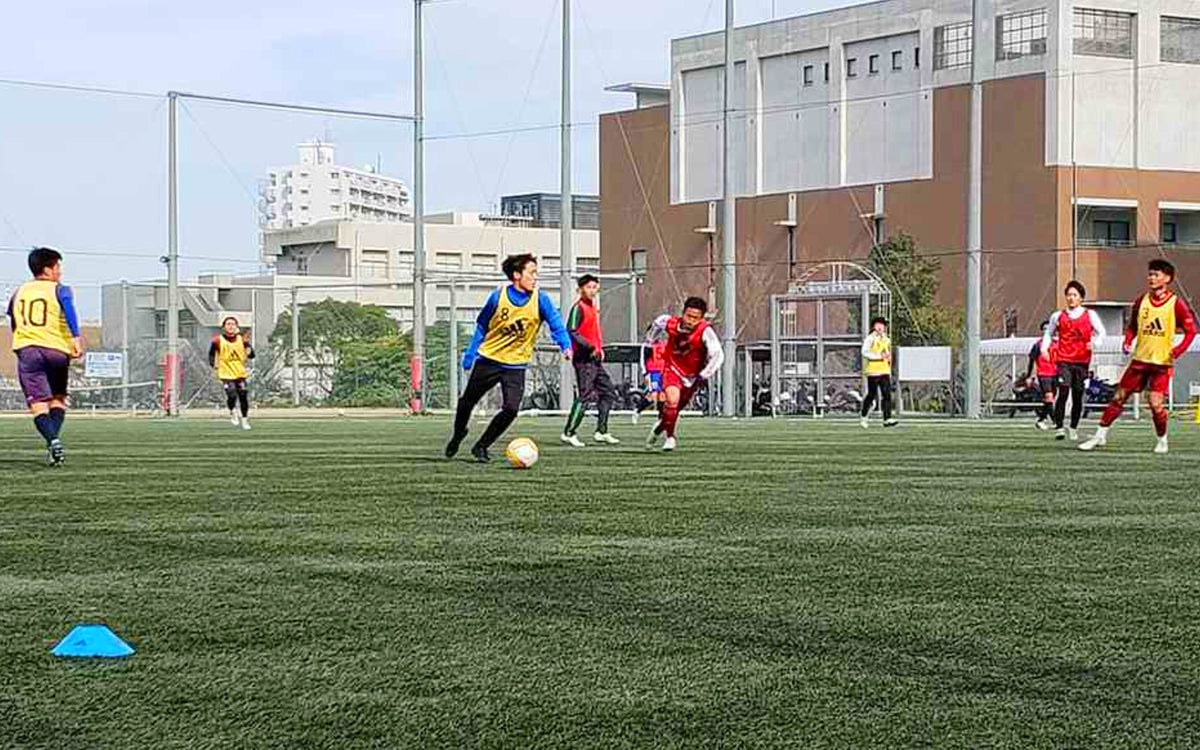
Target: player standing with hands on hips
(502,348)
(877,351)
(591,379)
(45,337)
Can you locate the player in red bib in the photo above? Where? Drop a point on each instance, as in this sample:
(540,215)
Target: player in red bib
(691,356)
(1076,332)
(652,365)
(1154,319)
(1041,362)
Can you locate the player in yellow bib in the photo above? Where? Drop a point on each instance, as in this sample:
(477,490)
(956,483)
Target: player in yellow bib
(1154,319)
(45,337)
(228,354)
(501,349)
(877,366)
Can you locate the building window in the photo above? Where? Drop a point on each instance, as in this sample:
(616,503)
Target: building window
(301,266)
(897,60)
(851,67)
(334,175)
(1103,33)
(916,57)
(1021,35)
(1111,232)
(449,261)
(1180,40)
(1170,234)
(873,64)
(953,45)
(808,75)
(483,262)
(637,260)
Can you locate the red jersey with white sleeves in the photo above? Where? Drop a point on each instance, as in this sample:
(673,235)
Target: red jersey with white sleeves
(1077,332)
(685,352)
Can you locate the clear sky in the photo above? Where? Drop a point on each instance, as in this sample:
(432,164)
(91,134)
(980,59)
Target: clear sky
(87,172)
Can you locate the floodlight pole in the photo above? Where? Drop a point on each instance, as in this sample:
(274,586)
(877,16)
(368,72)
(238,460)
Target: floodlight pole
(729,235)
(566,260)
(172,361)
(417,365)
(975,226)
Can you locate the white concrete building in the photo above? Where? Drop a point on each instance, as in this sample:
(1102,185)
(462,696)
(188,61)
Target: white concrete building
(317,189)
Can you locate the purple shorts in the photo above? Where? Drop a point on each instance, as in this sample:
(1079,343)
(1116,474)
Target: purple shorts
(43,373)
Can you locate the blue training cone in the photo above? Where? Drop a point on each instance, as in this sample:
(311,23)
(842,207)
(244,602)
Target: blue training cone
(92,641)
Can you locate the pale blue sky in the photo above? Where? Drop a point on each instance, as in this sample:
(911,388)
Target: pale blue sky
(88,172)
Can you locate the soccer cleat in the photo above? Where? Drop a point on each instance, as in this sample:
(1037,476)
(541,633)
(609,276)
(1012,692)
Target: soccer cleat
(891,422)
(1060,434)
(634,418)
(1073,434)
(669,444)
(56,454)
(481,454)
(233,418)
(1161,445)
(245,423)
(1094,442)
(604,437)
(864,423)
(572,441)
(652,438)
(1043,424)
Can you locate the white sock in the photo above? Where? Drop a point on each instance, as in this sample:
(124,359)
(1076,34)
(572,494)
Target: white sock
(1102,432)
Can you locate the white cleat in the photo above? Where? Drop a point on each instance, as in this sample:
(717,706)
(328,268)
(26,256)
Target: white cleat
(1060,434)
(1161,446)
(1043,424)
(245,423)
(1094,442)
(652,438)
(633,419)
(864,423)
(669,444)
(604,437)
(234,419)
(572,441)
(1073,434)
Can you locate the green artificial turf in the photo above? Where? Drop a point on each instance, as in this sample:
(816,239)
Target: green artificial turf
(337,584)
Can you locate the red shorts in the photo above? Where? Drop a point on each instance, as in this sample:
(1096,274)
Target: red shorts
(1143,376)
(672,378)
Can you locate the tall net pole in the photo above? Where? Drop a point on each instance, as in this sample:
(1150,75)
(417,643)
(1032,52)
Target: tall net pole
(566,200)
(417,365)
(729,235)
(974,228)
(172,361)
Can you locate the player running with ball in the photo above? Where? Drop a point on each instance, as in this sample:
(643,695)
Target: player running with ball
(691,356)
(1155,317)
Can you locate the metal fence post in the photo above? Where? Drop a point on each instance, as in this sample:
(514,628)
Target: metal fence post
(453,354)
(295,346)
(124,344)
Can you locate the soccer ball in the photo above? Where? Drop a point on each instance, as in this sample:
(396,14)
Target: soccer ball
(521,453)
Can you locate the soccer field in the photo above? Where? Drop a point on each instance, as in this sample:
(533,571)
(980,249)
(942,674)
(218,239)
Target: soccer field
(337,584)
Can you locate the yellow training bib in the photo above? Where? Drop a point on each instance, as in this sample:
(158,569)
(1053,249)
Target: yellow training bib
(512,331)
(39,318)
(880,345)
(1155,331)
(231,358)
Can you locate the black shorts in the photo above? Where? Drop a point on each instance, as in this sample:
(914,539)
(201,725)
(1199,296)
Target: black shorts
(592,381)
(1047,385)
(1072,373)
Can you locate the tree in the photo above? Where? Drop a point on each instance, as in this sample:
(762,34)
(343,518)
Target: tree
(913,281)
(331,330)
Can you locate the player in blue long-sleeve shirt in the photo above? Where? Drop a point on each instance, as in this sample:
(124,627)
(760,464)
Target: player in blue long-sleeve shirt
(45,337)
(501,349)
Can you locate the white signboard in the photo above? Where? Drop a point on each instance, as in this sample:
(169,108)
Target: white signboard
(925,364)
(104,365)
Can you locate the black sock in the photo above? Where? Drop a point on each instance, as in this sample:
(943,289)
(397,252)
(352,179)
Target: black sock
(58,416)
(45,426)
(496,427)
(244,402)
